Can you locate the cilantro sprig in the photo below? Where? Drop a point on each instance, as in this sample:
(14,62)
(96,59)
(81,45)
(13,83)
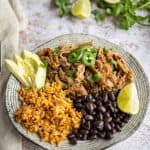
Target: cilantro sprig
(62,6)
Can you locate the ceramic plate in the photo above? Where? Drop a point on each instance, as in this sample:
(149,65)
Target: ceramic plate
(12,102)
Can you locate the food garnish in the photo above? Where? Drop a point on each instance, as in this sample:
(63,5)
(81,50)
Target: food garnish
(75,55)
(70,73)
(127,100)
(114,63)
(94,78)
(62,5)
(123,11)
(88,59)
(29,69)
(81,8)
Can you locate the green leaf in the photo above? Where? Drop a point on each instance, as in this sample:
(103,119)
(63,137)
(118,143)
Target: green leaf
(62,5)
(56,51)
(94,78)
(70,73)
(127,21)
(98,16)
(115,64)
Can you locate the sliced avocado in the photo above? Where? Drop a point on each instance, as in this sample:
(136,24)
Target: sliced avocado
(31,67)
(35,58)
(17,71)
(26,68)
(40,77)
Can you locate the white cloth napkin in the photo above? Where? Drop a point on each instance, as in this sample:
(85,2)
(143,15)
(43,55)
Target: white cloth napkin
(12,20)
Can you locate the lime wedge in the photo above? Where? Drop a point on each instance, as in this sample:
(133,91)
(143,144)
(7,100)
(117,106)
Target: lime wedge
(112,1)
(127,100)
(81,8)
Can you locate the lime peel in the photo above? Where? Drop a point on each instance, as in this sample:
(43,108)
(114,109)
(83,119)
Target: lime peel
(127,100)
(81,8)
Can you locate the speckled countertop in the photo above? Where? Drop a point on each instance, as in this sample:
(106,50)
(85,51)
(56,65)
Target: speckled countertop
(44,24)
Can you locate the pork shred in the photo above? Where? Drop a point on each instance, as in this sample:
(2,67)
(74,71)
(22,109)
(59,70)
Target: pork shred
(112,78)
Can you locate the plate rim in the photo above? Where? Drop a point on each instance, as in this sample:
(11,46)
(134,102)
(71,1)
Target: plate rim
(99,38)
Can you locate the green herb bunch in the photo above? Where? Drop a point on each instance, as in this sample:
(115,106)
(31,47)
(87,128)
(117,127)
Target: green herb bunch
(124,12)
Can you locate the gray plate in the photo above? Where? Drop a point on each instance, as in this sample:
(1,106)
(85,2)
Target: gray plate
(12,102)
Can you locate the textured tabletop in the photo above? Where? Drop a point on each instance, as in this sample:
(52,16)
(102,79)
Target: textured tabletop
(44,24)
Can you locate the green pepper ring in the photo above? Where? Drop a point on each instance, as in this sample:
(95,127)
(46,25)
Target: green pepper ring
(88,59)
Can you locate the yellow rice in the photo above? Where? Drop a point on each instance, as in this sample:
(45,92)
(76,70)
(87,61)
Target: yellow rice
(48,112)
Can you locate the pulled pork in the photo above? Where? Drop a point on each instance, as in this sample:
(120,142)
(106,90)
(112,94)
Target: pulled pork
(115,74)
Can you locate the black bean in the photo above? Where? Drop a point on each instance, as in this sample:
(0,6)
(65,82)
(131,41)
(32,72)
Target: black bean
(117,120)
(101,109)
(89,97)
(102,134)
(72,97)
(122,124)
(116,110)
(87,125)
(98,103)
(111,108)
(78,105)
(83,112)
(99,116)
(92,100)
(107,119)
(114,104)
(111,96)
(117,127)
(112,124)
(99,124)
(71,136)
(93,132)
(92,137)
(90,106)
(84,137)
(77,100)
(125,120)
(83,131)
(83,121)
(73,141)
(108,135)
(79,136)
(96,95)
(106,114)
(107,126)
(93,113)
(105,97)
(84,98)
(89,117)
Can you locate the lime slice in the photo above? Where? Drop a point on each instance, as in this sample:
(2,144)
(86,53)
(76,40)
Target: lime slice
(127,100)
(112,1)
(81,8)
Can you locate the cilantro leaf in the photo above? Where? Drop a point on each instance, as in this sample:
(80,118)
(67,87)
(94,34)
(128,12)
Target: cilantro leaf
(62,5)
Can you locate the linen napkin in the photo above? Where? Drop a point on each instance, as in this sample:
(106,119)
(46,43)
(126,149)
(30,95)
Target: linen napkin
(12,20)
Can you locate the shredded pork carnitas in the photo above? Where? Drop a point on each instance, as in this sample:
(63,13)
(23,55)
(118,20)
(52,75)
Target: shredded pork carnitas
(114,72)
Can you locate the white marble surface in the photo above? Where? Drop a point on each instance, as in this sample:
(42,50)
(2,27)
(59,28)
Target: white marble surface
(44,24)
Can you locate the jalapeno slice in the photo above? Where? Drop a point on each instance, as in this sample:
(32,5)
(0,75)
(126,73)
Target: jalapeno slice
(75,56)
(88,59)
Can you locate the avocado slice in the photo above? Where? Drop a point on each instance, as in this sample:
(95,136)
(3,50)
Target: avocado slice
(34,59)
(25,66)
(18,72)
(40,77)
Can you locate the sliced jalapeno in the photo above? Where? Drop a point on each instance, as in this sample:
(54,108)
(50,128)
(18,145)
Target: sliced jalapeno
(75,56)
(88,59)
